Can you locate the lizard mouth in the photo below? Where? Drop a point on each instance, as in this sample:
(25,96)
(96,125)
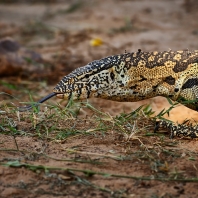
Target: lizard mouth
(60,96)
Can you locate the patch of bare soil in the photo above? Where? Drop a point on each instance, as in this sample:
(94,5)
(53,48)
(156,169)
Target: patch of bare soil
(44,155)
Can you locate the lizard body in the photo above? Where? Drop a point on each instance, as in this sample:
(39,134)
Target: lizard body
(134,77)
(137,76)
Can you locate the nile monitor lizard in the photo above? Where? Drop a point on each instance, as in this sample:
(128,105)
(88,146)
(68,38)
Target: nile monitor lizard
(137,76)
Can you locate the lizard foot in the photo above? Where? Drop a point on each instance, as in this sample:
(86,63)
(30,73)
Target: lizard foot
(185,129)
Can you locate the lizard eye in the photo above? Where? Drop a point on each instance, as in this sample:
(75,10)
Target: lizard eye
(112,76)
(87,76)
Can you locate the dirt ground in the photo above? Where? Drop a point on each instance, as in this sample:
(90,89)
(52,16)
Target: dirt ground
(44,42)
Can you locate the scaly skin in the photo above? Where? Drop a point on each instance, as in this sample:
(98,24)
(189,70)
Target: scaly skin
(134,77)
(137,76)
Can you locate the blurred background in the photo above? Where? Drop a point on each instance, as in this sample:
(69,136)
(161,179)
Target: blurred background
(42,41)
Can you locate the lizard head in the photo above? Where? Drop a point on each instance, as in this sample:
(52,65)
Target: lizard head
(105,78)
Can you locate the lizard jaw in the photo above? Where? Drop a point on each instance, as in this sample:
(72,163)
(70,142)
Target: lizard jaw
(60,96)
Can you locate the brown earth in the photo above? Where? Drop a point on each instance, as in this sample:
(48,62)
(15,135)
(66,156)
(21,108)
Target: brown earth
(61,33)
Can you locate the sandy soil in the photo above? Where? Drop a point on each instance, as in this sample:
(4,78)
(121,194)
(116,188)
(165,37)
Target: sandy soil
(61,34)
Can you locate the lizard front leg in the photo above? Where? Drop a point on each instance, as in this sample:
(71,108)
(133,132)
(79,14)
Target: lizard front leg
(188,95)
